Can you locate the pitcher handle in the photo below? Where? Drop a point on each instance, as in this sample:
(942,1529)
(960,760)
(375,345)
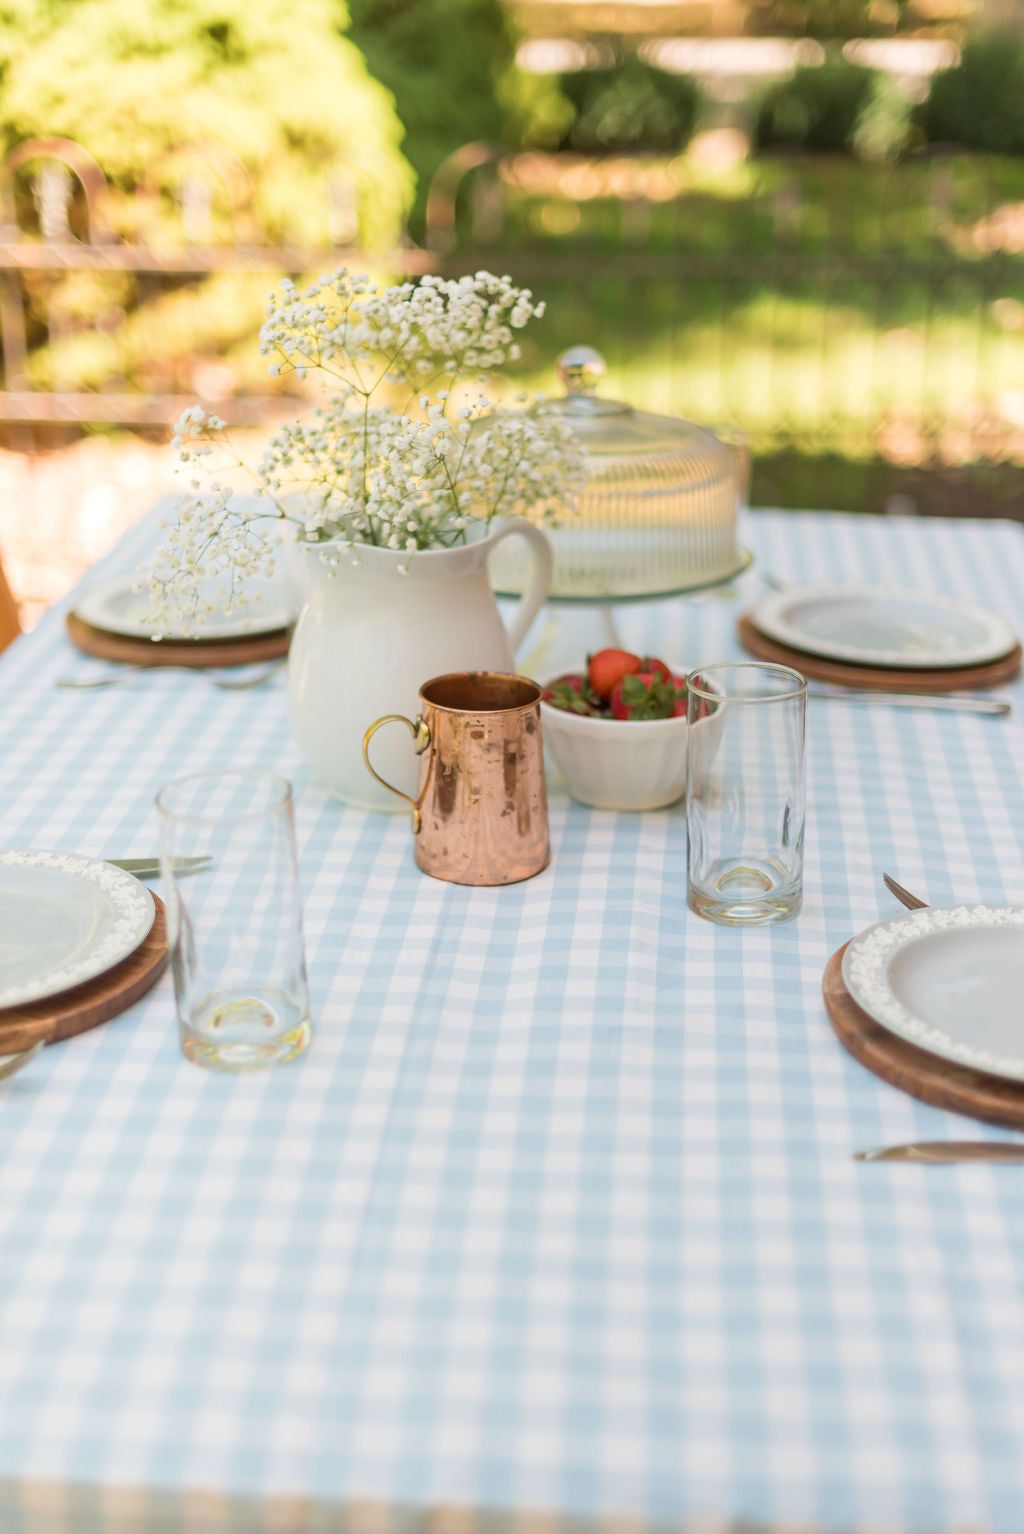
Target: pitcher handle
(542,563)
(420,733)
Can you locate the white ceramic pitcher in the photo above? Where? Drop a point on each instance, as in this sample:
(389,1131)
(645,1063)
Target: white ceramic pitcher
(368,636)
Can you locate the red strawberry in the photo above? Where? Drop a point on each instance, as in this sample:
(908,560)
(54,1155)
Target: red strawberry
(705,708)
(644,695)
(607,667)
(651,663)
(571,693)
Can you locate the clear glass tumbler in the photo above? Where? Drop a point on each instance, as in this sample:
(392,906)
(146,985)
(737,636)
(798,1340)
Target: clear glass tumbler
(235,925)
(745,792)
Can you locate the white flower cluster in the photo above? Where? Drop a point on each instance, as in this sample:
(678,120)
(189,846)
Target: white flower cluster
(210,538)
(360,470)
(457,326)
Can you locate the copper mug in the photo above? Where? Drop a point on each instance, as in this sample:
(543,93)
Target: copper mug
(481,814)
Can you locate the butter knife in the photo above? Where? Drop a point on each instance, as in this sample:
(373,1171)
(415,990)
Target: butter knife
(945,1152)
(943,701)
(140,867)
(11,1064)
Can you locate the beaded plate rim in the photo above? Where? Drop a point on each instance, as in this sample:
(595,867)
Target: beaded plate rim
(770,616)
(865,971)
(132,916)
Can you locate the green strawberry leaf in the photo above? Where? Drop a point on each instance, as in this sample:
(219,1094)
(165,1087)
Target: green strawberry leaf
(655,701)
(566,697)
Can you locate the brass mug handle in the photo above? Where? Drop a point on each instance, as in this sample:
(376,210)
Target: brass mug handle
(420,732)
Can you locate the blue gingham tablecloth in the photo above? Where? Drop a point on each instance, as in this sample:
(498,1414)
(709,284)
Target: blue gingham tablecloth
(556,1226)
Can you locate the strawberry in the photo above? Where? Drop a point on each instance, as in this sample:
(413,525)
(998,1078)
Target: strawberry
(571,693)
(607,667)
(645,695)
(651,663)
(704,708)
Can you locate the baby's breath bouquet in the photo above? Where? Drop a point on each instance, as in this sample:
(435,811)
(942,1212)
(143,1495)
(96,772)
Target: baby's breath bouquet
(406,452)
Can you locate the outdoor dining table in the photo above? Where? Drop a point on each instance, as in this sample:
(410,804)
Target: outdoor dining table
(556,1226)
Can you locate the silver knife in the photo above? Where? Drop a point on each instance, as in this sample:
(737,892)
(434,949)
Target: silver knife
(948,702)
(11,1064)
(151,865)
(945,1152)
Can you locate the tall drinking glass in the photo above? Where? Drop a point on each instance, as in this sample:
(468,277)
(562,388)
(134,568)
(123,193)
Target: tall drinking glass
(235,925)
(745,792)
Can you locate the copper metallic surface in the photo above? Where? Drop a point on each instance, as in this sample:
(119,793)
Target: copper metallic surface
(482,807)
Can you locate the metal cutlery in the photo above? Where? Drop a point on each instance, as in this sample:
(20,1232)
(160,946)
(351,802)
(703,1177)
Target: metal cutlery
(946,1152)
(131,674)
(140,867)
(912,902)
(949,702)
(11,1064)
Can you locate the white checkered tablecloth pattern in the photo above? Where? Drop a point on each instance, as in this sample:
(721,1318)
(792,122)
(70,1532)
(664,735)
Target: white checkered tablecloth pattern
(558,1215)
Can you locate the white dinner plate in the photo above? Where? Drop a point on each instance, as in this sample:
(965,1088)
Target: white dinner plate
(113,605)
(64,919)
(949,979)
(884,626)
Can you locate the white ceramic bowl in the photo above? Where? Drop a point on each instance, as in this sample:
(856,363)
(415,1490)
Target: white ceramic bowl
(619,764)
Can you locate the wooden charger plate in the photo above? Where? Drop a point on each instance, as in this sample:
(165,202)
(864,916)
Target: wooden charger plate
(877,678)
(199,653)
(95,1001)
(942,1083)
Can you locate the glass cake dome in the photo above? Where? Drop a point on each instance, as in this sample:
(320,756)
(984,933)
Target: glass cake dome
(658,514)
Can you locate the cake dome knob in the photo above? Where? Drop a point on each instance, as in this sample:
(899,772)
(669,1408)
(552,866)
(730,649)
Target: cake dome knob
(581,369)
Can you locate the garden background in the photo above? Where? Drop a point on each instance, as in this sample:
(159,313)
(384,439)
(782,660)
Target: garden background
(800,219)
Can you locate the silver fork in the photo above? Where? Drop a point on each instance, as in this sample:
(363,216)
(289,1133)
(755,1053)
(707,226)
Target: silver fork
(131,673)
(912,902)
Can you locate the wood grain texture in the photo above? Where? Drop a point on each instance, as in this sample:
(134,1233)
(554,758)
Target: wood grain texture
(96,1001)
(941,1083)
(198,653)
(877,678)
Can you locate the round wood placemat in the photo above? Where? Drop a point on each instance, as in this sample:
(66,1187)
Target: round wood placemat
(941,1083)
(877,678)
(197,653)
(96,1001)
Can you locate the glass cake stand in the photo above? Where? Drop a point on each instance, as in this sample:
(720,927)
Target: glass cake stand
(569,627)
(656,518)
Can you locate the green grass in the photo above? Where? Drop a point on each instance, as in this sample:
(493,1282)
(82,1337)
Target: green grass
(834,310)
(863,324)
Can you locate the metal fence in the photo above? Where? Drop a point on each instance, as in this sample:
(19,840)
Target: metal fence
(864,327)
(55,228)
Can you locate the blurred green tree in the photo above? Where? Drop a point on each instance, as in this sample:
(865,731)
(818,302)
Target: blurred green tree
(276,84)
(450,65)
(631,106)
(228,121)
(834,107)
(979,104)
